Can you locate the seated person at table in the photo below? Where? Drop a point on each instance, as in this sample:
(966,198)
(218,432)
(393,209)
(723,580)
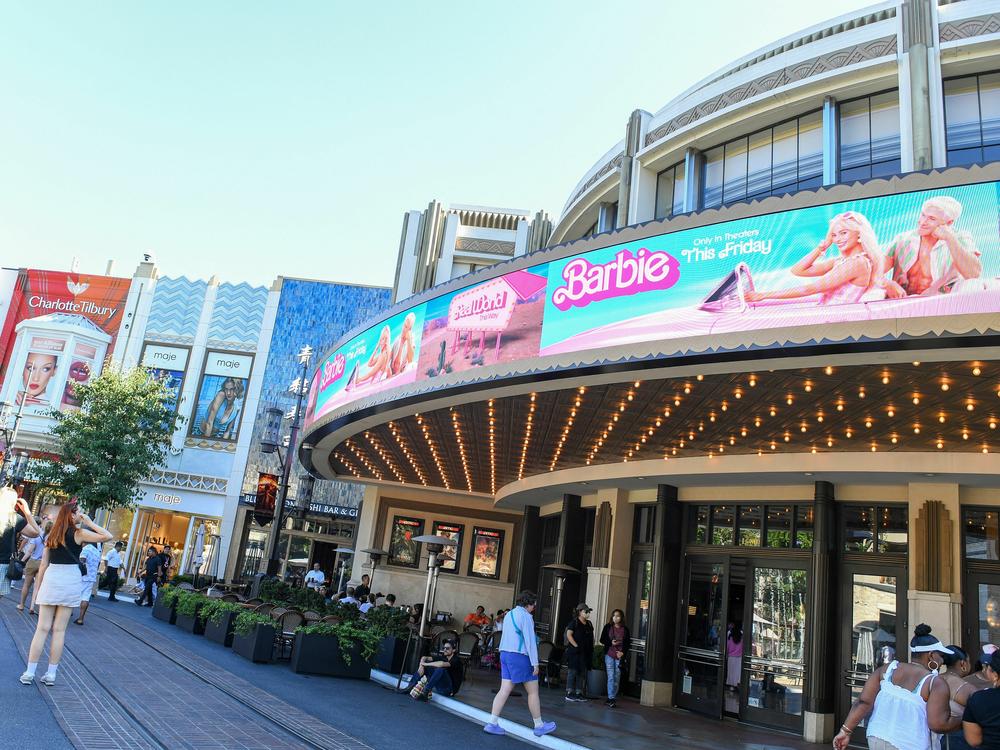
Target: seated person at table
(479,618)
(367,604)
(416,614)
(444,675)
(350,599)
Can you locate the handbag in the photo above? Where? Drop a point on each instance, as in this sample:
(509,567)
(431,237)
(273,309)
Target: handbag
(15,570)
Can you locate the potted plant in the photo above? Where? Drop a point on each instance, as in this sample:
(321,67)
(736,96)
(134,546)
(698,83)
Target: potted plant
(342,650)
(253,637)
(389,624)
(597,676)
(164,608)
(219,618)
(189,604)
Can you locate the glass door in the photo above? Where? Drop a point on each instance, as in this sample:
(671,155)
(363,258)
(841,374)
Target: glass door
(773,646)
(982,610)
(637,617)
(873,607)
(703,638)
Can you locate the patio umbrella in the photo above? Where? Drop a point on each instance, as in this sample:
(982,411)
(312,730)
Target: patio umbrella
(198,556)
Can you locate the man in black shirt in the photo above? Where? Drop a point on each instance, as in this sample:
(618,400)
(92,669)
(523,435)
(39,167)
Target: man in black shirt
(154,569)
(361,592)
(579,652)
(981,721)
(443,675)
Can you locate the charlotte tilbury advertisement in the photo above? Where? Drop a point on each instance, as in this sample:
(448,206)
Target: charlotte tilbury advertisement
(922,254)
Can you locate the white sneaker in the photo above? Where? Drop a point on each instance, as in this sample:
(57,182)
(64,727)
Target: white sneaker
(27,679)
(48,679)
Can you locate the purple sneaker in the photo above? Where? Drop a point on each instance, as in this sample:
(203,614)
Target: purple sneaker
(547,728)
(496,729)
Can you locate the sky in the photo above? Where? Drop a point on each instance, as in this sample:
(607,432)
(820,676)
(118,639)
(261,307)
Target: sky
(254,139)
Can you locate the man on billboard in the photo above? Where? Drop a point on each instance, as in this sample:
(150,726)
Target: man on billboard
(934,257)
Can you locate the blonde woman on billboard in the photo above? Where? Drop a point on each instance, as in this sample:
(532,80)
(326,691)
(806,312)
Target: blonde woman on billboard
(223,415)
(379,364)
(935,256)
(404,350)
(839,281)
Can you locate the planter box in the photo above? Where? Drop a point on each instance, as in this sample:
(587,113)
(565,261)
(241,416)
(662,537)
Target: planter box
(389,657)
(320,654)
(194,625)
(597,683)
(223,632)
(257,645)
(162,612)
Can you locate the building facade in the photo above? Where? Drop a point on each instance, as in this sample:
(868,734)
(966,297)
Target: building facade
(752,383)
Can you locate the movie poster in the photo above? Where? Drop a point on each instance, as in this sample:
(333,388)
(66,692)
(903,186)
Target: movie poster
(450,555)
(267,496)
(221,396)
(487,548)
(402,549)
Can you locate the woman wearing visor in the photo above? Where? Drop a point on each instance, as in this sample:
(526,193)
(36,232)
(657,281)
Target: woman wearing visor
(906,701)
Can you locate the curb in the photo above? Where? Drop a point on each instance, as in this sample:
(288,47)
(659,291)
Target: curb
(478,716)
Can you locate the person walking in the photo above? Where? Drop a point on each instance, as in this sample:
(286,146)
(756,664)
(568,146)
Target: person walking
(91,557)
(959,668)
(31,556)
(519,665)
(154,570)
(579,653)
(166,560)
(15,519)
(981,720)
(906,701)
(59,591)
(734,655)
(113,564)
(616,639)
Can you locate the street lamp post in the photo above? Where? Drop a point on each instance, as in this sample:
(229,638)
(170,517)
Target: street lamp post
(270,444)
(8,433)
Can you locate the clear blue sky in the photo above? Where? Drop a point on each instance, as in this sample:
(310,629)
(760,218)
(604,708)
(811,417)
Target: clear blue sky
(252,139)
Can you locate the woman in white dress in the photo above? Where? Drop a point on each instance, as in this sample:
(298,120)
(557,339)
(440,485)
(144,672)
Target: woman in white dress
(59,591)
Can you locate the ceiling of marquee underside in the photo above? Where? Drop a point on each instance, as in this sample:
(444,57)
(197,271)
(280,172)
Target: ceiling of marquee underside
(482,446)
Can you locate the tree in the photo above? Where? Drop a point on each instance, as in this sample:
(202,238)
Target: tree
(119,435)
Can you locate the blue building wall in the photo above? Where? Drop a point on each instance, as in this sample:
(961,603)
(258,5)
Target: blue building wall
(316,313)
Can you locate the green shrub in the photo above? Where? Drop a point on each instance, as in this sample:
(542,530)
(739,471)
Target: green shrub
(189,602)
(348,635)
(247,621)
(213,609)
(178,580)
(344,612)
(168,595)
(275,591)
(388,621)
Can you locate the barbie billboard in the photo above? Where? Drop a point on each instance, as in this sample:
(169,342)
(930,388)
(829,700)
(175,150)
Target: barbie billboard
(913,255)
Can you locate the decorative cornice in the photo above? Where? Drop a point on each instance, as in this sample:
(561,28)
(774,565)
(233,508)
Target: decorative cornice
(613,164)
(212,445)
(477,245)
(966,28)
(184,480)
(842,58)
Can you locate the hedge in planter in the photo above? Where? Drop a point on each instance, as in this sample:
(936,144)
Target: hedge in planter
(253,637)
(389,624)
(219,618)
(164,608)
(341,650)
(189,604)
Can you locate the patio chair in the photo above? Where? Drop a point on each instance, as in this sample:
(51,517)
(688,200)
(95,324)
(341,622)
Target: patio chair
(230,598)
(331,620)
(185,587)
(254,602)
(285,632)
(310,616)
(264,608)
(277,612)
(214,594)
(468,648)
(547,654)
(444,635)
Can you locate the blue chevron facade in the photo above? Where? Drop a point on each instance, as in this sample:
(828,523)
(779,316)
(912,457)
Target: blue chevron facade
(237,316)
(176,309)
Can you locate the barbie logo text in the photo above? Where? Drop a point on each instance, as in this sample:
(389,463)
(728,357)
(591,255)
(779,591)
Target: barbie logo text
(332,370)
(626,274)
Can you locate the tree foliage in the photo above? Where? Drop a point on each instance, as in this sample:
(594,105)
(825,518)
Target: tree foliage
(120,434)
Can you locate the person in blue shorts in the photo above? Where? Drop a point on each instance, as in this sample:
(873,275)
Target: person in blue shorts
(519,665)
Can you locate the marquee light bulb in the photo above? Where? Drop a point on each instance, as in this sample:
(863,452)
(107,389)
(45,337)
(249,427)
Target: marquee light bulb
(977,371)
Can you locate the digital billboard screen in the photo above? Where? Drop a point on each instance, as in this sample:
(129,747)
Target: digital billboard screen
(921,254)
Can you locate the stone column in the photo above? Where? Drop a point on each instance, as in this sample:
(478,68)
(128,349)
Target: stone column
(668,549)
(569,551)
(608,575)
(821,664)
(918,40)
(934,589)
(531,544)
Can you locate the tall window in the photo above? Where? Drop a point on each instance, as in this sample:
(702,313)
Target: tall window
(972,118)
(869,137)
(670,191)
(773,161)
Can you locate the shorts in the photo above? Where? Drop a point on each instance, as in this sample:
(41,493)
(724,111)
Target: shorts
(61,585)
(86,591)
(31,567)
(516,667)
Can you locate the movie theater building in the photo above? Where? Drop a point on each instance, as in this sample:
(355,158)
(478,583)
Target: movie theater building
(769,399)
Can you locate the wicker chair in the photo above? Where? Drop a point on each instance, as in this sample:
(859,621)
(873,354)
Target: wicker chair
(285,632)
(254,602)
(277,612)
(468,649)
(264,608)
(444,635)
(331,620)
(311,616)
(230,597)
(185,586)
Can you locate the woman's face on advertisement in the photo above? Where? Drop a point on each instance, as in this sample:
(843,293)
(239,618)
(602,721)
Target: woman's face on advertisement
(930,219)
(845,236)
(38,371)
(229,391)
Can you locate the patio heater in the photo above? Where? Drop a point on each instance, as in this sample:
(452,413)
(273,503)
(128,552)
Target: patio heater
(376,556)
(560,571)
(435,544)
(343,564)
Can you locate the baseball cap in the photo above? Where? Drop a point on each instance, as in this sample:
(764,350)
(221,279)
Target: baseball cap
(582,607)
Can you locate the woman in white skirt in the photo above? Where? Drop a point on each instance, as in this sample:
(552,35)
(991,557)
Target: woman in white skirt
(62,581)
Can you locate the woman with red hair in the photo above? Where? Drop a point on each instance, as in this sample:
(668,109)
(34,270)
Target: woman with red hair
(61,585)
